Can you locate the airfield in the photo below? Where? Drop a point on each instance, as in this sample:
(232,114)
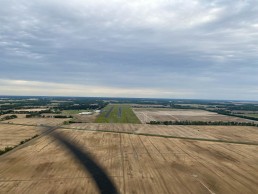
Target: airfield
(119,155)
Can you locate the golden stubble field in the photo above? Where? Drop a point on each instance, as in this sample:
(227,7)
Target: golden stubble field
(227,133)
(134,163)
(147,115)
(12,135)
(37,121)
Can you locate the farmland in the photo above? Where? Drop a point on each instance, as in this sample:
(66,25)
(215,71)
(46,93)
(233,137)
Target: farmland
(12,135)
(117,114)
(37,121)
(114,152)
(147,115)
(135,164)
(239,134)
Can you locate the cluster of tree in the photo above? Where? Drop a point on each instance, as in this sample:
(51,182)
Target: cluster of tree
(33,115)
(37,115)
(8,117)
(62,116)
(26,140)
(3,112)
(223,123)
(6,149)
(71,121)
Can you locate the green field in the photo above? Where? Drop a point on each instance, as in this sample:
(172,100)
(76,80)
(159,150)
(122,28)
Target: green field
(252,115)
(117,114)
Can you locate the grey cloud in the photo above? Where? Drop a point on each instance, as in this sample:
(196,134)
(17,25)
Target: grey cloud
(132,44)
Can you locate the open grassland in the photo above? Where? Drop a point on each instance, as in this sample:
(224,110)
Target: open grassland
(146,116)
(117,114)
(240,134)
(37,121)
(12,135)
(135,163)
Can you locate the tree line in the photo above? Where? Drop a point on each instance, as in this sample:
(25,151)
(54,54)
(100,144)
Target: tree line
(8,117)
(222,123)
(228,113)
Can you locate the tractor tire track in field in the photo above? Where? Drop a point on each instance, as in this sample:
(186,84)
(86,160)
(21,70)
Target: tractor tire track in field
(218,172)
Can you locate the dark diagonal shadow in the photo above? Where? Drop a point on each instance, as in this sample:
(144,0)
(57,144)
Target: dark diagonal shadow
(104,184)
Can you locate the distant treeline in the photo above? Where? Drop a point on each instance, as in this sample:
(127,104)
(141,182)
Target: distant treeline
(25,103)
(3,112)
(245,107)
(222,123)
(83,104)
(66,103)
(38,115)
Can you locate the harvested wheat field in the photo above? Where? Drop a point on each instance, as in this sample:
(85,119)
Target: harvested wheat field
(37,121)
(239,134)
(131,163)
(147,115)
(112,127)
(12,135)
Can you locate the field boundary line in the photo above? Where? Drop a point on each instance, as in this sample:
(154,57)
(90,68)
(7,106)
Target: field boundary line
(206,187)
(135,133)
(123,165)
(170,136)
(201,139)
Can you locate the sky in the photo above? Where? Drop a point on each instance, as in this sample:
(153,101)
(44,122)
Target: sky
(194,49)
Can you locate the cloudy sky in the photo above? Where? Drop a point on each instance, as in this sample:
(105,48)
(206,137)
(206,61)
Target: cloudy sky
(138,48)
